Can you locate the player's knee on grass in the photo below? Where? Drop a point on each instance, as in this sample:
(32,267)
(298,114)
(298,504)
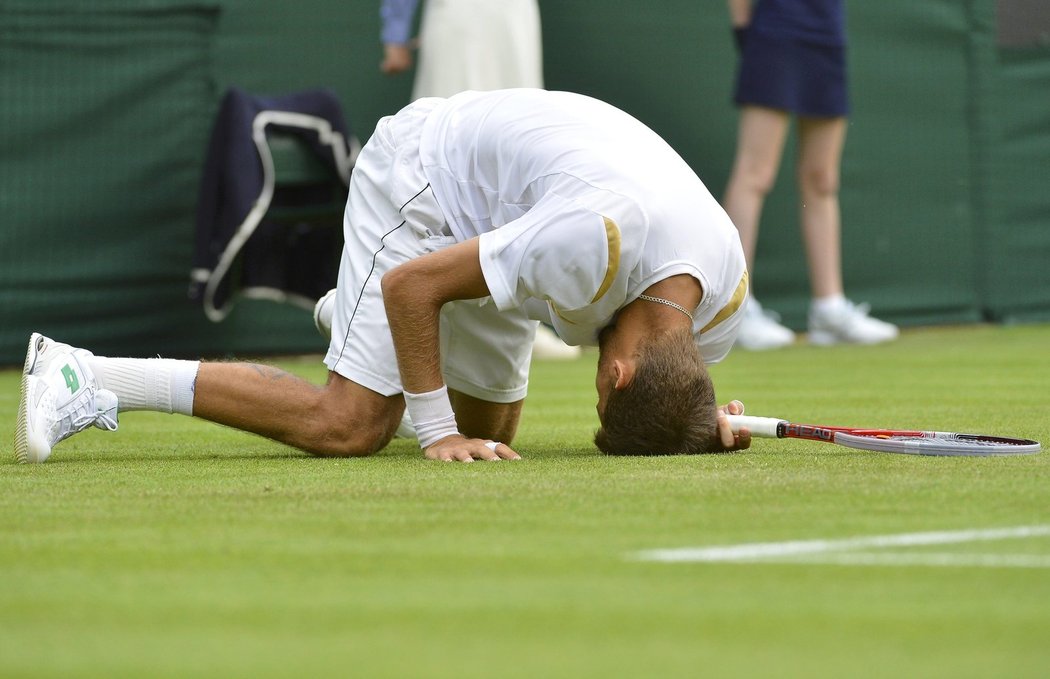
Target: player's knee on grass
(344,441)
(348,429)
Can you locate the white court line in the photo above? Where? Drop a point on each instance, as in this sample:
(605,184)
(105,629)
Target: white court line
(813,551)
(956,559)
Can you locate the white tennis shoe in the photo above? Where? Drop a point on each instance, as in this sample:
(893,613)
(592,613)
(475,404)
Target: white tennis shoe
(759,329)
(60,397)
(848,323)
(548,346)
(323,311)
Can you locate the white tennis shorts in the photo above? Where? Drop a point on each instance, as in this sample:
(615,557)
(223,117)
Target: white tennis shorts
(392,217)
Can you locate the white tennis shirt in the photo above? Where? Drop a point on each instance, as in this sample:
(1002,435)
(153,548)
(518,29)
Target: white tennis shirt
(579,208)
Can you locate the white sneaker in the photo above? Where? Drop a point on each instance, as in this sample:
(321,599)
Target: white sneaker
(759,329)
(59,398)
(323,311)
(547,345)
(849,323)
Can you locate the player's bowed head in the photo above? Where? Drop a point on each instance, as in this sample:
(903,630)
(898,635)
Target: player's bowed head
(660,400)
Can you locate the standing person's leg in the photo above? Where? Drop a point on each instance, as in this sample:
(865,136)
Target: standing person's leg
(819,160)
(832,317)
(760,145)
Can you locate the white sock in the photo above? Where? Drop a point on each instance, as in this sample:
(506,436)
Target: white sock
(828,305)
(160,384)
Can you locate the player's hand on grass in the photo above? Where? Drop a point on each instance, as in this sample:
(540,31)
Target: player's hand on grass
(461,449)
(731,441)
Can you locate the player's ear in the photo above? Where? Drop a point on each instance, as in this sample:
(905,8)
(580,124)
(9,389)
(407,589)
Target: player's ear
(624,373)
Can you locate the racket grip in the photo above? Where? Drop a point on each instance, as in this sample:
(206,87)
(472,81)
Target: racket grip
(762,427)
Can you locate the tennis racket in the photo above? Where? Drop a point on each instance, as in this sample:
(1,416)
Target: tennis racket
(888,440)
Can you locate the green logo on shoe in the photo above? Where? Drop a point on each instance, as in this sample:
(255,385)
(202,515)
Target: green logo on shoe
(71,378)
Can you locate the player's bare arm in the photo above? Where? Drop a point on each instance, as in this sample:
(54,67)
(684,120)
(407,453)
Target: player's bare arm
(413,294)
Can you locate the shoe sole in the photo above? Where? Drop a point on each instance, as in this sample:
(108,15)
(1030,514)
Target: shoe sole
(763,346)
(822,339)
(22,426)
(826,339)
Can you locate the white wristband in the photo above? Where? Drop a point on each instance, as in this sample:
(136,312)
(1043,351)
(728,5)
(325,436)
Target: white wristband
(431,415)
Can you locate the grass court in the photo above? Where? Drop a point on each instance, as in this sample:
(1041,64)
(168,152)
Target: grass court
(176,548)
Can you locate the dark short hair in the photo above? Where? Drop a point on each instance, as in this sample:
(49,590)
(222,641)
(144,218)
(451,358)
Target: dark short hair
(669,406)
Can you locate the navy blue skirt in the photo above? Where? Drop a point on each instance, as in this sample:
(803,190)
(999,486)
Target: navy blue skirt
(805,78)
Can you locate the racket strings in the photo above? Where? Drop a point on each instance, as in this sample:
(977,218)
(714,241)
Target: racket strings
(951,438)
(938,443)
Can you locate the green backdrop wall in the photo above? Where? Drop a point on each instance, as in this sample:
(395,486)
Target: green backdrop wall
(106,107)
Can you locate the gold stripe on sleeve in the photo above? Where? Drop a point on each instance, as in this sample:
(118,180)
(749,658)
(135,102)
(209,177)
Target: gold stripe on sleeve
(612,237)
(729,309)
(557,311)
